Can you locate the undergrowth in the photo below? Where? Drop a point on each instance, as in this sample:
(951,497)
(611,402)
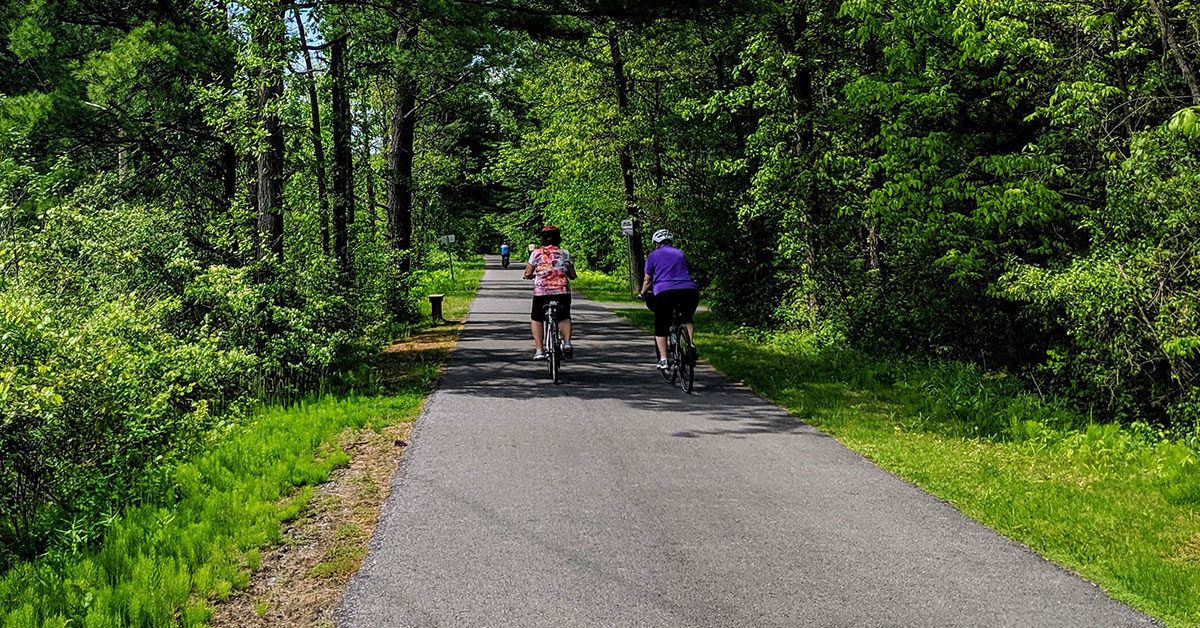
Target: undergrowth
(196,535)
(161,565)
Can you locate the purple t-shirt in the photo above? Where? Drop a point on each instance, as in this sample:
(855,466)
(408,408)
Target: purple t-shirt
(668,269)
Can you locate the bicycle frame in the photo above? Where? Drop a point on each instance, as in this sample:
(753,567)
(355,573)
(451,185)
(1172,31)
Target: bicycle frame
(681,360)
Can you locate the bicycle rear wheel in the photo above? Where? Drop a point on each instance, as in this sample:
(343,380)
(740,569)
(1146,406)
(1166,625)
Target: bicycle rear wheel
(687,361)
(672,372)
(553,349)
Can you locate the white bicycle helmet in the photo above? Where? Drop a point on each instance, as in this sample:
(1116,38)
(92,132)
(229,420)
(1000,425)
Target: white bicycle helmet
(662,235)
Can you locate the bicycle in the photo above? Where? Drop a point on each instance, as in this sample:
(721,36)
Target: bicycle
(504,261)
(552,342)
(681,353)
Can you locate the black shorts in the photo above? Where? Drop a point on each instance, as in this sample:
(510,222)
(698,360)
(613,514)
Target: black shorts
(539,307)
(667,301)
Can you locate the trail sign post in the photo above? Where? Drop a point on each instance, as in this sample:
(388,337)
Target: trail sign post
(448,240)
(627,231)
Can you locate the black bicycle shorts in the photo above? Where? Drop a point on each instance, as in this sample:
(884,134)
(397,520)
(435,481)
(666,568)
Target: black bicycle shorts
(539,307)
(667,301)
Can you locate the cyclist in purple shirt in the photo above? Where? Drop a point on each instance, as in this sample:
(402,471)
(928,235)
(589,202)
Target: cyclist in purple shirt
(667,274)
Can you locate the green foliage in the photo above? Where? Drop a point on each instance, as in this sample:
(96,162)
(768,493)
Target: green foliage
(1007,185)
(198,538)
(1128,305)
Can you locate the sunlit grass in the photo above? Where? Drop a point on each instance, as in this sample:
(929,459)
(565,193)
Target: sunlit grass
(604,288)
(459,290)
(1121,506)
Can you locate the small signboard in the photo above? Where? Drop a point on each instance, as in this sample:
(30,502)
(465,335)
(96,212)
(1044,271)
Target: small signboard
(446,239)
(627,227)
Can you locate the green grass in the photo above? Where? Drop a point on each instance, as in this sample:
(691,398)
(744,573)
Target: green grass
(459,290)
(157,561)
(345,557)
(1119,505)
(166,563)
(604,288)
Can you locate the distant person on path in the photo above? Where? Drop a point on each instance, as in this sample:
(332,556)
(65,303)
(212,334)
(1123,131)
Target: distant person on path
(504,251)
(551,270)
(667,273)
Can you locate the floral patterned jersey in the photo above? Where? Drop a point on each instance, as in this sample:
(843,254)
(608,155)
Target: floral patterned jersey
(550,268)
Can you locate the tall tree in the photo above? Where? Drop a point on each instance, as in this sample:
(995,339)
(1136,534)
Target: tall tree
(400,148)
(317,138)
(269,37)
(343,165)
(625,154)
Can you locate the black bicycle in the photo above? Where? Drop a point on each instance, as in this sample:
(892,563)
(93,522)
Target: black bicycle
(504,261)
(681,355)
(552,340)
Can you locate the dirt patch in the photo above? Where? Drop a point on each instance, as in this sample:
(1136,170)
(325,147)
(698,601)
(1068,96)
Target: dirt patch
(1190,551)
(301,582)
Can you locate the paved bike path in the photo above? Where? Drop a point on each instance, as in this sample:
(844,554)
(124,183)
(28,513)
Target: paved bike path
(615,500)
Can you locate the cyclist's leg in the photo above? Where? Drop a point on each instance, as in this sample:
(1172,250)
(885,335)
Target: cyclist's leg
(536,317)
(538,334)
(688,301)
(663,306)
(564,318)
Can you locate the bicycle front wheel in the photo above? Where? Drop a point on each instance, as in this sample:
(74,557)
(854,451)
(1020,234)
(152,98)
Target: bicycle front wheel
(553,350)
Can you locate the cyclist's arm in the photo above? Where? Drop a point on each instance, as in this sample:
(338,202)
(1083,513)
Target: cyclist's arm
(647,282)
(528,270)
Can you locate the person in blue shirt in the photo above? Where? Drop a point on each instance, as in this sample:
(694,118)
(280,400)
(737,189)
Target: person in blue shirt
(504,251)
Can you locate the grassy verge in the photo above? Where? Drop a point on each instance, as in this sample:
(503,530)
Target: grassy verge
(604,288)
(167,563)
(1119,505)
(459,289)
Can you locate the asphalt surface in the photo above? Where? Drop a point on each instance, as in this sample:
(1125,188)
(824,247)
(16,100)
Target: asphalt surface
(614,499)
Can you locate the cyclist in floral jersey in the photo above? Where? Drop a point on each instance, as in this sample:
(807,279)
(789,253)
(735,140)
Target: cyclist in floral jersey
(551,270)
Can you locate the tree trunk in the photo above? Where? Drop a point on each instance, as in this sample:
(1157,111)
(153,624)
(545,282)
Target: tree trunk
(400,154)
(251,165)
(871,133)
(343,166)
(626,157)
(317,140)
(368,169)
(800,95)
(270,40)
(657,146)
(1185,66)
(1118,64)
